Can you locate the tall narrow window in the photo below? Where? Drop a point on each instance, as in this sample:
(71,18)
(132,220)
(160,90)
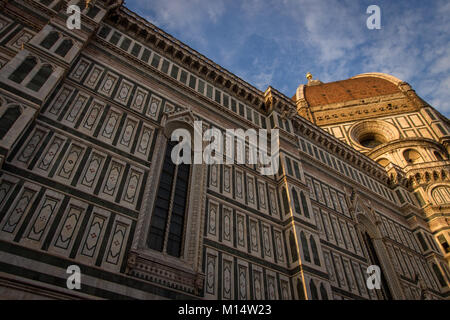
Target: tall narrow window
(293,246)
(64,47)
(422,241)
(323,292)
(313,289)
(40,78)
(50,40)
(376,261)
(285,201)
(305,248)
(296,201)
(304,204)
(439,275)
(300,290)
(315,253)
(23,70)
(7,120)
(167,223)
(176,227)
(444,243)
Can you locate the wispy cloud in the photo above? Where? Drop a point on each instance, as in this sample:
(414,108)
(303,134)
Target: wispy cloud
(275,42)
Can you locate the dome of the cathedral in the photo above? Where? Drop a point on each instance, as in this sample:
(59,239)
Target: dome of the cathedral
(347,90)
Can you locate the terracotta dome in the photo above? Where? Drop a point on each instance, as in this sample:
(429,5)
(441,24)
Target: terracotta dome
(347,90)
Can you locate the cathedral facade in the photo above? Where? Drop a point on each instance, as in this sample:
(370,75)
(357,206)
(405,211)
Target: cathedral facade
(87,180)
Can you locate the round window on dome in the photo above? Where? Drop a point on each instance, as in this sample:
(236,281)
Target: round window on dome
(371,140)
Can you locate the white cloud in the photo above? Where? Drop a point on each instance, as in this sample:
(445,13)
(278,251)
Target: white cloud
(188,17)
(328,38)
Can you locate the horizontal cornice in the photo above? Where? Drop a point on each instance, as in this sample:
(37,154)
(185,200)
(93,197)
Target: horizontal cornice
(305,128)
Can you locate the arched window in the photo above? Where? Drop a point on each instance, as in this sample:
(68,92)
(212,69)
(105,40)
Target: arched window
(441,195)
(23,70)
(296,201)
(40,78)
(376,261)
(313,289)
(315,253)
(422,241)
(300,290)
(285,201)
(305,248)
(50,40)
(64,47)
(412,156)
(439,275)
(167,223)
(323,292)
(7,120)
(304,204)
(293,246)
(438,156)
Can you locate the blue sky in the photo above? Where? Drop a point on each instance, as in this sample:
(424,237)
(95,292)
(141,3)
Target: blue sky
(276,42)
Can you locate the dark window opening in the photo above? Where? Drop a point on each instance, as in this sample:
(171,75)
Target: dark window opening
(174,71)
(323,292)
(155,61)
(422,241)
(64,47)
(145,55)
(92,12)
(313,289)
(300,290)
(375,260)
(293,246)
(296,201)
(285,201)
(23,70)
(172,196)
(125,44)
(372,140)
(439,275)
(444,243)
(104,32)
(314,251)
(50,40)
(304,204)
(136,49)
(305,248)
(115,38)
(40,78)
(7,120)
